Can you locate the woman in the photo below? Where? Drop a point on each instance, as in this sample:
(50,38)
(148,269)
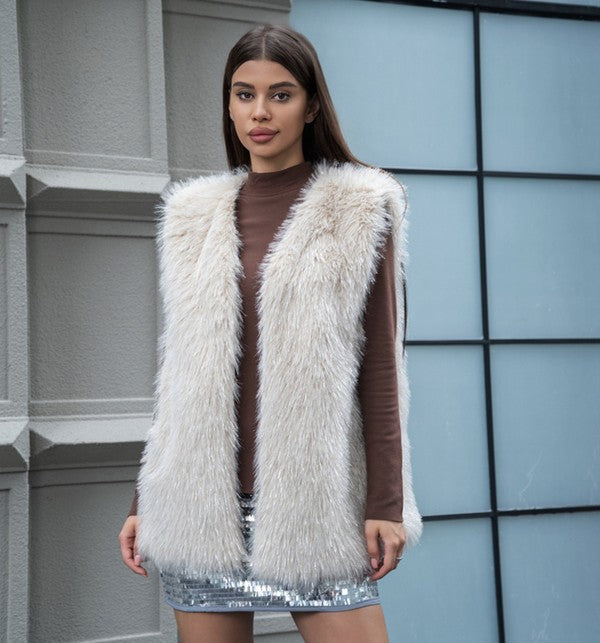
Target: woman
(276,474)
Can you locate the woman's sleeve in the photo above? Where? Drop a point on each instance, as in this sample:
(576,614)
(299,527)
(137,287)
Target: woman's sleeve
(134,504)
(378,393)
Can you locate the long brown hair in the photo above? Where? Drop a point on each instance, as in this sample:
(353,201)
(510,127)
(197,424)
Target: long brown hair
(322,138)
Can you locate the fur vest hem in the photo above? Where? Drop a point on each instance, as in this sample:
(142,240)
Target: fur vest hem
(310,465)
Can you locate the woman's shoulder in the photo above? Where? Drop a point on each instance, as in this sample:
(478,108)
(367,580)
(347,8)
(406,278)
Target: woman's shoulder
(353,180)
(196,190)
(357,176)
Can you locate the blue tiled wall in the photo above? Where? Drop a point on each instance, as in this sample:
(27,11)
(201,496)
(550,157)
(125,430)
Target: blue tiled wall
(503,300)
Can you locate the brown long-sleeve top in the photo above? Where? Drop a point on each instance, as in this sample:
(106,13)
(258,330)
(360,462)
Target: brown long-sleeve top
(263,203)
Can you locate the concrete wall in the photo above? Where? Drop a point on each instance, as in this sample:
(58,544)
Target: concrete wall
(102,104)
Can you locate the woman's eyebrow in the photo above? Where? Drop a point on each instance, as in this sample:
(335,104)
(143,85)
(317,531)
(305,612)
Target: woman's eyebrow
(285,83)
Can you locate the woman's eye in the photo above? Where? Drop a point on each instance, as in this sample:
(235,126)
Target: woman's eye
(279,96)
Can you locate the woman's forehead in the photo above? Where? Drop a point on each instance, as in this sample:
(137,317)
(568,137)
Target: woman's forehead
(262,72)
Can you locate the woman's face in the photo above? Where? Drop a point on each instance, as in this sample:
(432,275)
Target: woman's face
(266,97)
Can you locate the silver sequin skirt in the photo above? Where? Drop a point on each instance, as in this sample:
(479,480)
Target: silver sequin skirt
(240,592)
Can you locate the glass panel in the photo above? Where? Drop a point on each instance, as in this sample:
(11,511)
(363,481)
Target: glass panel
(401,78)
(540,94)
(550,572)
(546,402)
(443,269)
(543,253)
(447,429)
(443,589)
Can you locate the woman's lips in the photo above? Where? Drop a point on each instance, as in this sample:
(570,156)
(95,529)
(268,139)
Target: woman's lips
(262,138)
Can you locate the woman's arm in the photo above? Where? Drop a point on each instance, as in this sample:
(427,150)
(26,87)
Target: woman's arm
(378,392)
(134,504)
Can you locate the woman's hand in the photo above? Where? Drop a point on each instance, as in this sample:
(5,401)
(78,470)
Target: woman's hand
(129,551)
(393,537)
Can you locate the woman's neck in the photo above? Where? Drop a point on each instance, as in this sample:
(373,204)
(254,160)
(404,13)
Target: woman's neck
(267,183)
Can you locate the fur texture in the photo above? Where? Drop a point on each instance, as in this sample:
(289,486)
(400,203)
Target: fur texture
(310,467)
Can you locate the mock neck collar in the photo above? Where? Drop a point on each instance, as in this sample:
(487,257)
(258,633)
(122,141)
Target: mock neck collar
(265,183)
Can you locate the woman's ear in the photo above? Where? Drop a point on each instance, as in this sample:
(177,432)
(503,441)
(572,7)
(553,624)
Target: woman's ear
(312,110)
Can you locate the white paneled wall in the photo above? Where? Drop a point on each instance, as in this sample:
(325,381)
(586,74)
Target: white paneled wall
(102,104)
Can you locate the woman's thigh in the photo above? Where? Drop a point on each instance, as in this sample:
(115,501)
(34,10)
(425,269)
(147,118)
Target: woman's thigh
(348,626)
(214,627)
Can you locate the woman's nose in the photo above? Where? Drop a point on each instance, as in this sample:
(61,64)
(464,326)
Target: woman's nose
(260,109)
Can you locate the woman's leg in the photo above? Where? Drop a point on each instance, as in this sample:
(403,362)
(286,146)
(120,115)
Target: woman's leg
(348,626)
(214,627)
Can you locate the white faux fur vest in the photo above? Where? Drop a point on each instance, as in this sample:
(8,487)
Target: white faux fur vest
(310,468)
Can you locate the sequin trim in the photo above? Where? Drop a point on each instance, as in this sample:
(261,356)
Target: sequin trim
(192,592)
